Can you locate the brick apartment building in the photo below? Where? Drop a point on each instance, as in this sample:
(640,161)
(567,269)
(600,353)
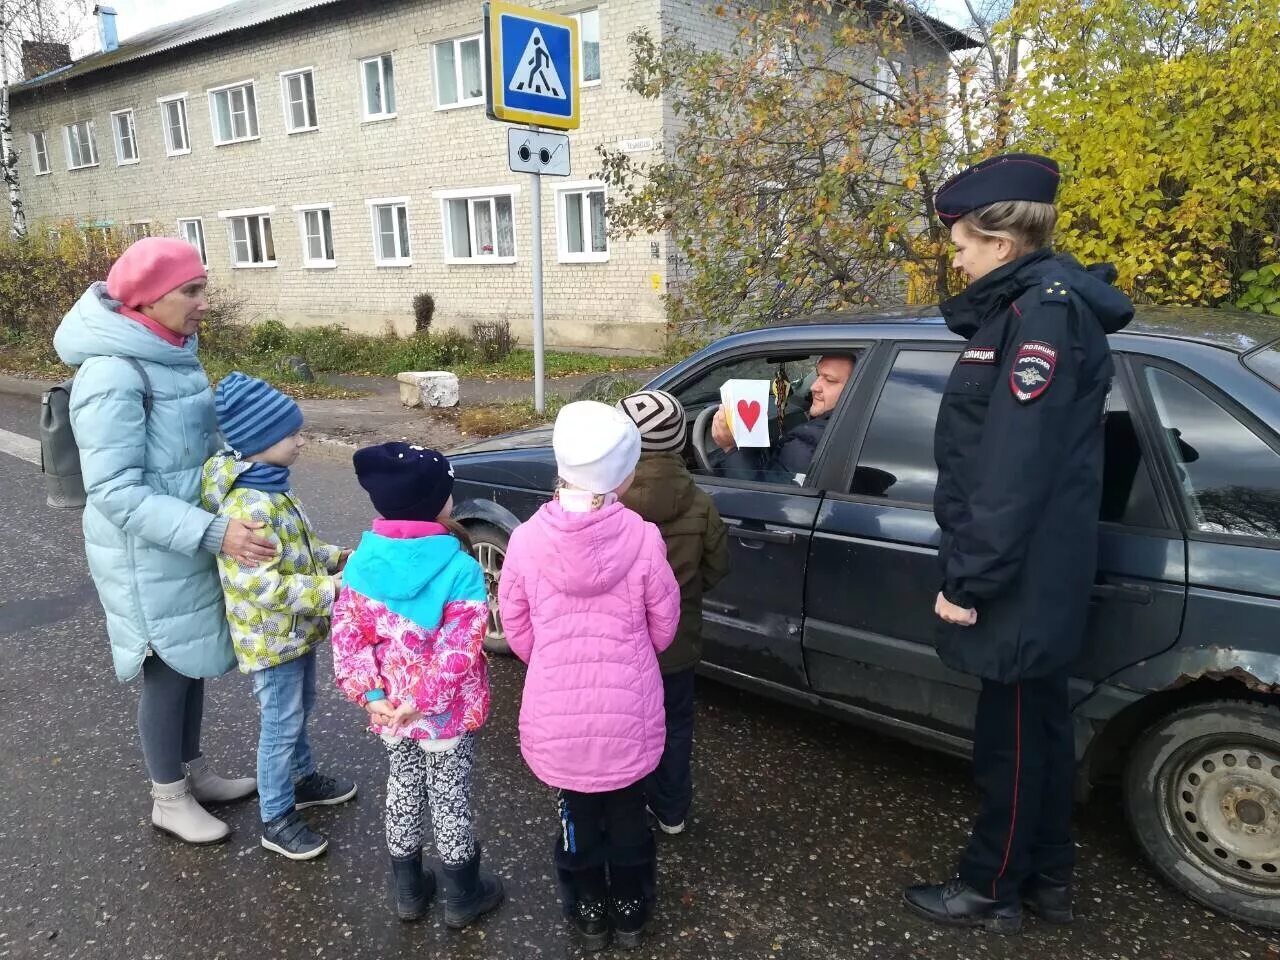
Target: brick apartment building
(332,159)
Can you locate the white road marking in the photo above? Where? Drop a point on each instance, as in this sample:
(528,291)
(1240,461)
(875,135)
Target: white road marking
(16,445)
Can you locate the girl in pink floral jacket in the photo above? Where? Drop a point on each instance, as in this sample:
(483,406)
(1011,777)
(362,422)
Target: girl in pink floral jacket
(408,630)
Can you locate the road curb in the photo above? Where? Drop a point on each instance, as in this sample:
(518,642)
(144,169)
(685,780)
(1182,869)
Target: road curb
(18,387)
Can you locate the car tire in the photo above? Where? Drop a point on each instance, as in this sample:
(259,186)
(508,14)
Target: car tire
(1202,793)
(489,547)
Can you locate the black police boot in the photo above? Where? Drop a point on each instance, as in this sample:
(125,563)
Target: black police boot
(957,904)
(470,892)
(628,908)
(1049,897)
(590,912)
(414,886)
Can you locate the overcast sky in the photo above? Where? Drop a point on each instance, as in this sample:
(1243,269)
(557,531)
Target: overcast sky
(134,16)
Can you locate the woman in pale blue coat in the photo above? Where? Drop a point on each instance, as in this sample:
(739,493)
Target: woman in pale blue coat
(151,549)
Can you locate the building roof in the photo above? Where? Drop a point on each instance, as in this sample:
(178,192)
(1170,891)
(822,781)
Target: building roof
(235,16)
(251,13)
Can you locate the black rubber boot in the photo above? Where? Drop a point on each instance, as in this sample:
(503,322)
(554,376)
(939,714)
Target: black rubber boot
(469,892)
(628,905)
(957,904)
(414,886)
(1049,897)
(590,911)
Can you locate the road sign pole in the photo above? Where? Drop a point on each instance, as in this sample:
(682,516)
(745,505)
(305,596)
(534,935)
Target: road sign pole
(535,196)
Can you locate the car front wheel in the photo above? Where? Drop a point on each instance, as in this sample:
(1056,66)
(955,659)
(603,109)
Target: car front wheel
(489,547)
(1202,790)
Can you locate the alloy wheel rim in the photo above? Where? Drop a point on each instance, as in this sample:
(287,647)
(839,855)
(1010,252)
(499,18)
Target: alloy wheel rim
(490,558)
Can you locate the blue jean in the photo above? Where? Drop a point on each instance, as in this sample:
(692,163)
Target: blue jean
(286,695)
(669,789)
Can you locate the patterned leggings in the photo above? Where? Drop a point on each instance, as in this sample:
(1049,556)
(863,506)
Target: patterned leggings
(442,780)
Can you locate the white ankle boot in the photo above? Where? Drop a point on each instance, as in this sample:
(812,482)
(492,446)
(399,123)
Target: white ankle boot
(175,811)
(207,787)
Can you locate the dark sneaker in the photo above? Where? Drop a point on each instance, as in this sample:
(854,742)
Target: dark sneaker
(591,921)
(290,836)
(670,829)
(318,790)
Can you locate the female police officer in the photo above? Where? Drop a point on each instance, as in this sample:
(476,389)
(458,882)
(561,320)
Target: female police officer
(1019,448)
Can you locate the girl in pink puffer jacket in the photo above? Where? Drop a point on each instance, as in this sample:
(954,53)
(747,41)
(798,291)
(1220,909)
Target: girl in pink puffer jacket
(588,601)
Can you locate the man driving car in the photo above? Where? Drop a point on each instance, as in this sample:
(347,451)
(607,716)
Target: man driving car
(788,459)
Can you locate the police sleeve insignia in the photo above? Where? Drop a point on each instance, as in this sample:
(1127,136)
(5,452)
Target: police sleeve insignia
(1032,370)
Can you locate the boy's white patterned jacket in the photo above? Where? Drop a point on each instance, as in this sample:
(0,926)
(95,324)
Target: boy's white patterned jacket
(279,610)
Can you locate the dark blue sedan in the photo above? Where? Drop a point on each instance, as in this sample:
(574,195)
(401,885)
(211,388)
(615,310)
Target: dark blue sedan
(830,600)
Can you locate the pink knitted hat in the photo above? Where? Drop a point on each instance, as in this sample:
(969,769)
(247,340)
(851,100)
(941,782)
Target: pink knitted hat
(151,268)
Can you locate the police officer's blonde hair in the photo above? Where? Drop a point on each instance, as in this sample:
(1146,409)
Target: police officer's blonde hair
(1026,224)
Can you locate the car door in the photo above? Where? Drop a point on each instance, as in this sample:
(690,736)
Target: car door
(873,575)
(752,621)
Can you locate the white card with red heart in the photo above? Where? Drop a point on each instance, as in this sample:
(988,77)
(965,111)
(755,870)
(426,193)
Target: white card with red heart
(746,411)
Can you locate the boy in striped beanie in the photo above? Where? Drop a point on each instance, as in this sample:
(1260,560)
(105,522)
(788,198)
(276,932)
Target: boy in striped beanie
(664,493)
(278,611)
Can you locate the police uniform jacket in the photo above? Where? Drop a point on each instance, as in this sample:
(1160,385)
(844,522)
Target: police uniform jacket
(1019,445)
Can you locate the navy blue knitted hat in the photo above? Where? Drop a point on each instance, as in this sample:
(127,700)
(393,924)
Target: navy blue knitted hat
(404,481)
(253,415)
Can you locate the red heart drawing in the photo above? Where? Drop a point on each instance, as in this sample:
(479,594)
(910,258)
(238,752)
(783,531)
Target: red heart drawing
(749,412)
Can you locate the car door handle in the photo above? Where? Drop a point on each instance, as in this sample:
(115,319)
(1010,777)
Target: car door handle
(1121,593)
(718,606)
(763,536)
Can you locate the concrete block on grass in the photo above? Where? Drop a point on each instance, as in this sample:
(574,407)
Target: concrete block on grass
(430,388)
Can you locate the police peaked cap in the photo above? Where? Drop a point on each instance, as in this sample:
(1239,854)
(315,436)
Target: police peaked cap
(1009,176)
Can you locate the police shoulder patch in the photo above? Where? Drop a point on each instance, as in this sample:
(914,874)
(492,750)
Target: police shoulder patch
(1055,291)
(1032,370)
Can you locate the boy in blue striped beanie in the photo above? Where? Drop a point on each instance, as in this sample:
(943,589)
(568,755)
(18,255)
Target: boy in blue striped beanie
(279,611)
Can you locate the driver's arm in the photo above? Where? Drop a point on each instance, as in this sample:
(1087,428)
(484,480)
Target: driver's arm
(721,435)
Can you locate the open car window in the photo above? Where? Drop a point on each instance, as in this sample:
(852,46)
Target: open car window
(794,436)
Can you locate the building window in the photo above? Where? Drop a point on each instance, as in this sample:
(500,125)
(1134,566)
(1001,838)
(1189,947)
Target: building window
(40,154)
(390,218)
(81,149)
(192,231)
(479,225)
(125,138)
(137,230)
(888,86)
(589,39)
(234,111)
(316,223)
(249,232)
(298,93)
(379,88)
(459,73)
(173,117)
(580,223)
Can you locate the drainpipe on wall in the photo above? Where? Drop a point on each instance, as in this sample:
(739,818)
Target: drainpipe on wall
(107,27)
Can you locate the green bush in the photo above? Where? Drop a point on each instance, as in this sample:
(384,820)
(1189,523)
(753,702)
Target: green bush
(1261,290)
(44,273)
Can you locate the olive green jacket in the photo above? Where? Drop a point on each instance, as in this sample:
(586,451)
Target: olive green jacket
(664,494)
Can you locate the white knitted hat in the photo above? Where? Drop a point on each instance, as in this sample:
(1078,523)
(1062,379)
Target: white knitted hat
(596,446)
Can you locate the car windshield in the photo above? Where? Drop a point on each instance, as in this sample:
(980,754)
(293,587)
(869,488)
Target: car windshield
(1265,362)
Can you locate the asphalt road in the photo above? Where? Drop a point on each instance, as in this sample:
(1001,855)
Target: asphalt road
(803,835)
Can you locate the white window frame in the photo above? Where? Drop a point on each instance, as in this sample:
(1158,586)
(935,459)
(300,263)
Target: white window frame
(456,43)
(261,212)
(117,141)
(169,149)
(286,103)
(93,144)
(406,260)
(582,50)
(365,115)
(227,88)
(41,152)
(474,194)
(886,80)
(302,209)
(202,246)
(583,187)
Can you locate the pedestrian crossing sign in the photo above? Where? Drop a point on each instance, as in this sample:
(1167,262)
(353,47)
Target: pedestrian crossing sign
(532,66)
